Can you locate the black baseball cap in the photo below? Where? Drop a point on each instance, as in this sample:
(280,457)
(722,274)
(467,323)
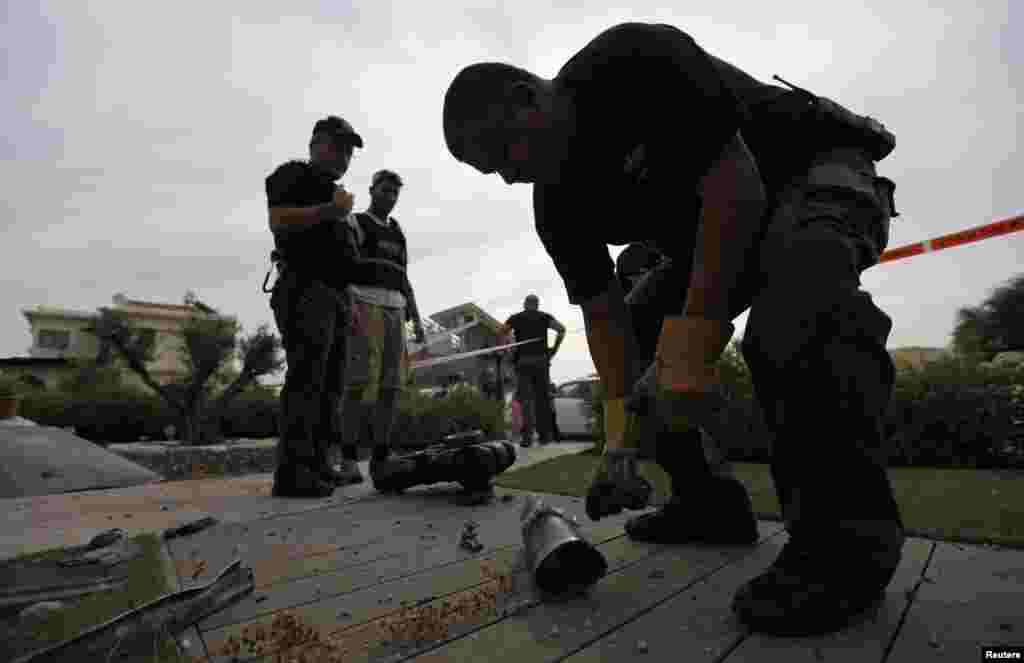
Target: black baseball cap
(339,129)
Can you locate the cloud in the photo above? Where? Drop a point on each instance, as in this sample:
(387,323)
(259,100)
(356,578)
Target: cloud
(138,137)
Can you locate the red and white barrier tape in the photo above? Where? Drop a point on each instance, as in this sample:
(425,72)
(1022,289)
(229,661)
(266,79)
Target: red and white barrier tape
(1004,227)
(978,233)
(434,361)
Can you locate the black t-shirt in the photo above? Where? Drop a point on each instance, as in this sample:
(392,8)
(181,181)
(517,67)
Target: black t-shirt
(780,129)
(530,324)
(317,252)
(653,114)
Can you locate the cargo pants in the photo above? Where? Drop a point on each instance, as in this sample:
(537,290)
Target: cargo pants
(815,343)
(312,319)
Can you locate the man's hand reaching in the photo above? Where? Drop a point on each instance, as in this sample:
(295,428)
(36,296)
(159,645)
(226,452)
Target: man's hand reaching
(686,376)
(343,201)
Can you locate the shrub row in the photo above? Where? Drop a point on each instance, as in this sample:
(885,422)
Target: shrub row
(948,414)
(117,415)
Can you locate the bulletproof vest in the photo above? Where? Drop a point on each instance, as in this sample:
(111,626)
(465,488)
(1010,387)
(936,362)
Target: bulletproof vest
(382,243)
(308,253)
(788,127)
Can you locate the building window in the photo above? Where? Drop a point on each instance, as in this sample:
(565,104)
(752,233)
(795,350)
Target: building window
(53,339)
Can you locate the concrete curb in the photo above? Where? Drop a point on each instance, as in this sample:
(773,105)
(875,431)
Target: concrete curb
(175,462)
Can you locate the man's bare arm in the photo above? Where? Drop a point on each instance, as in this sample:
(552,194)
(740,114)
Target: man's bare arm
(560,329)
(733,204)
(611,340)
(411,309)
(285,219)
(505,334)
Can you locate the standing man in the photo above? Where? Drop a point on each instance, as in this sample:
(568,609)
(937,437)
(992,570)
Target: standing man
(313,252)
(532,363)
(787,235)
(382,300)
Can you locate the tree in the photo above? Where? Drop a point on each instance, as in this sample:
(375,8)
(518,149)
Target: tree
(737,382)
(970,339)
(209,342)
(997,325)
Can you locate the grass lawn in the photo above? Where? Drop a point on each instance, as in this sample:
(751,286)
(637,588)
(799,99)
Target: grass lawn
(146,582)
(970,506)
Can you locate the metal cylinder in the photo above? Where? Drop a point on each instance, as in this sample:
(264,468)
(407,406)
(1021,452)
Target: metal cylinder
(559,559)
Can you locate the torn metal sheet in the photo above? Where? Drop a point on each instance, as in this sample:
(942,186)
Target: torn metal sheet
(190,528)
(83,570)
(169,615)
(122,550)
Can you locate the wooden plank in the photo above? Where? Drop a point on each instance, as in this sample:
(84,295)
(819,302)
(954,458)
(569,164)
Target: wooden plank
(552,630)
(333,524)
(695,623)
(385,561)
(971,596)
(866,641)
(327,540)
(435,585)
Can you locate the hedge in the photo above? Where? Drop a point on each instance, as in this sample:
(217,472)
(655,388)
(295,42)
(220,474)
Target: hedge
(120,414)
(950,413)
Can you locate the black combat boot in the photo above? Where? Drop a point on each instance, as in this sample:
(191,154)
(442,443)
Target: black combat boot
(300,479)
(348,475)
(823,580)
(297,475)
(704,508)
(845,531)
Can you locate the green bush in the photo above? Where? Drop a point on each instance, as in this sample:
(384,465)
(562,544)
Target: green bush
(88,378)
(957,413)
(9,386)
(106,414)
(950,413)
(47,408)
(252,415)
(425,420)
(420,420)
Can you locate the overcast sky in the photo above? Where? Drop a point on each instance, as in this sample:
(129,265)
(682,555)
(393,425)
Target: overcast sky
(137,137)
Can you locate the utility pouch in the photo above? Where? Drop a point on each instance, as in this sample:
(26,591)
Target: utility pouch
(838,125)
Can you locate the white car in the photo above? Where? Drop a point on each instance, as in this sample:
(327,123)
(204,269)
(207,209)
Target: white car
(573,407)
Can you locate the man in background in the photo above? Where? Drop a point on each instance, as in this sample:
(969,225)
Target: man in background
(532,363)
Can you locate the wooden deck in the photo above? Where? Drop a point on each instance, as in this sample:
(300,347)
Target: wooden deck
(356,571)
